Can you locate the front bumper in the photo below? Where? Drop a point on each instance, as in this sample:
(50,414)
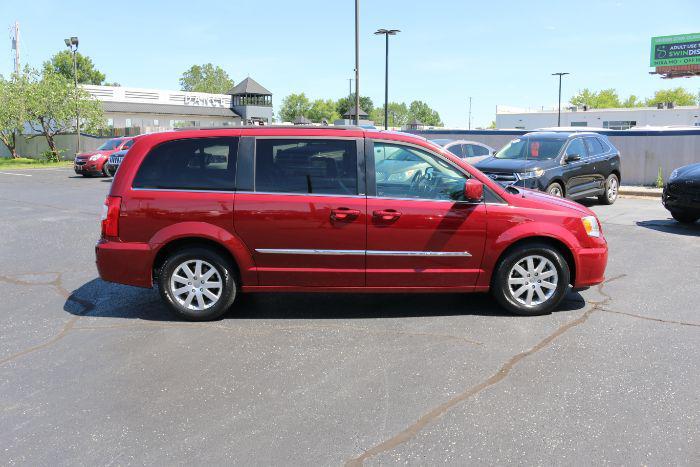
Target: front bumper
(680,198)
(590,266)
(90,167)
(124,263)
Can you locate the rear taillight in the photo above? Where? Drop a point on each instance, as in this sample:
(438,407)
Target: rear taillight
(110,216)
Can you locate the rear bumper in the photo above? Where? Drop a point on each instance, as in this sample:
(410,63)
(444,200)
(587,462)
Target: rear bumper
(591,263)
(124,263)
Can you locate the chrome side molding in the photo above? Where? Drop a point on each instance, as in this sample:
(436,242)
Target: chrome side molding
(314,251)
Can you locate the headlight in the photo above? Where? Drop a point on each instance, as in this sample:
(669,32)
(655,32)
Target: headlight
(590,223)
(532,174)
(674,174)
(95,157)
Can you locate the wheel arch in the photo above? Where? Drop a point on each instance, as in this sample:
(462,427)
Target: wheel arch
(558,180)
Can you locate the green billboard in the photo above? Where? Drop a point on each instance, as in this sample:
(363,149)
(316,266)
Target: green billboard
(683,49)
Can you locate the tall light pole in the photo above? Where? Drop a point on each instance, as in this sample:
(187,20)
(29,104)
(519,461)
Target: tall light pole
(72,44)
(386,33)
(357,62)
(470,112)
(559,113)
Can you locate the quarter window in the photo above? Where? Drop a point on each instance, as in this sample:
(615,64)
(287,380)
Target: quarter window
(306,166)
(190,164)
(406,172)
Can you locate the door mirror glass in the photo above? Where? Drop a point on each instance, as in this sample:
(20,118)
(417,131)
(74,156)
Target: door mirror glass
(572,158)
(473,190)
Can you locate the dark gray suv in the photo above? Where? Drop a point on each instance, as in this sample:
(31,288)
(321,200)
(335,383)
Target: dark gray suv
(569,164)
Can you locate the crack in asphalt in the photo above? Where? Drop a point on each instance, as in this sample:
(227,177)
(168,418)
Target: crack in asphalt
(650,318)
(437,412)
(57,284)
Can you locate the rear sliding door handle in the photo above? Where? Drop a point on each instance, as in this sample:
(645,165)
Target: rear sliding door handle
(344,214)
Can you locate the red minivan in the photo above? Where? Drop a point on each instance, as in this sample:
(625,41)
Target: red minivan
(208,214)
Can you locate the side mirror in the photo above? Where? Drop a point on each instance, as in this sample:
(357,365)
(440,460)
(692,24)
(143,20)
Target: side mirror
(572,158)
(473,190)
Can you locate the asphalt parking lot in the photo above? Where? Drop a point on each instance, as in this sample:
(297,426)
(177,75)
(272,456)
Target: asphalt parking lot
(97,373)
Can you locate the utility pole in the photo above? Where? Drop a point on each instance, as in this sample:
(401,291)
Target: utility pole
(15,46)
(470,112)
(559,112)
(357,62)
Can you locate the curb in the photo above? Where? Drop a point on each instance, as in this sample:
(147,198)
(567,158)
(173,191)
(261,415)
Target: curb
(645,193)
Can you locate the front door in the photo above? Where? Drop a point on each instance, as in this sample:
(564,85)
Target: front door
(575,173)
(420,231)
(305,219)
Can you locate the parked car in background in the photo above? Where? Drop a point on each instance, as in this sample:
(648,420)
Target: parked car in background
(114,161)
(470,151)
(92,163)
(681,193)
(330,209)
(565,164)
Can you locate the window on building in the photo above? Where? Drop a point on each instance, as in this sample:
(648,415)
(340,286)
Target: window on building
(127,123)
(406,172)
(110,122)
(191,164)
(619,124)
(156,122)
(306,166)
(579,123)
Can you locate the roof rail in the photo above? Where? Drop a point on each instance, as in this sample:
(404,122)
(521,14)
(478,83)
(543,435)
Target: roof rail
(262,127)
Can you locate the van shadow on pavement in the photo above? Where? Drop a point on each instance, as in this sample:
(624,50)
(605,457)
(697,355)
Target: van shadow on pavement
(108,300)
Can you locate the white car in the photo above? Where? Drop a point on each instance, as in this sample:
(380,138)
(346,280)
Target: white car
(470,151)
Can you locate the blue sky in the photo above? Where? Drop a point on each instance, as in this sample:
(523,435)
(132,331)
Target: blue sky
(499,52)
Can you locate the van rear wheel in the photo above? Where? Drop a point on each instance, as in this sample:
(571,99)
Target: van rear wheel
(197,284)
(531,280)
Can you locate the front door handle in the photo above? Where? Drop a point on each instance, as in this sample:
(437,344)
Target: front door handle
(344,214)
(387,214)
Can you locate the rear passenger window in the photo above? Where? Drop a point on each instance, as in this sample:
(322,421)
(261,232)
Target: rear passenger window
(190,164)
(306,166)
(594,146)
(480,150)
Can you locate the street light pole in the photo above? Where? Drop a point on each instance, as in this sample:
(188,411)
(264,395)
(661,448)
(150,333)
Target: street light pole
(386,33)
(470,112)
(559,112)
(72,44)
(357,62)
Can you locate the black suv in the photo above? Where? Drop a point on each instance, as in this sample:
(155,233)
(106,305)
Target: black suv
(681,194)
(571,164)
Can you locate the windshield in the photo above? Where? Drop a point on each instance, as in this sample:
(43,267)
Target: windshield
(110,144)
(534,149)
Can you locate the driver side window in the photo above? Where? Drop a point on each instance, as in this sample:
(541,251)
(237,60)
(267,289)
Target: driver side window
(406,172)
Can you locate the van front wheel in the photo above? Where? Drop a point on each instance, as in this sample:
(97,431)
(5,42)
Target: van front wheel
(531,280)
(197,283)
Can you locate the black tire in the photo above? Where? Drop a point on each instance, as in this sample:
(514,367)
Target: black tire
(611,189)
(223,267)
(555,189)
(505,296)
(105,170)
(685,217)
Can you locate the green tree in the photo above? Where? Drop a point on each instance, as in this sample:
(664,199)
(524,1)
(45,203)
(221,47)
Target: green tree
(293,106)
(492,125)
(678,96)
(347,103)
(604,99)
(632,101)
(423,113)
(398,115)
(206,78)
(52,101)
(12,110)
(62,64)
(323,110)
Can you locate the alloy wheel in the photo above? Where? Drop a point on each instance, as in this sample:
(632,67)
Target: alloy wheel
(555,191)
(196,285)
(612,189)
(532,280)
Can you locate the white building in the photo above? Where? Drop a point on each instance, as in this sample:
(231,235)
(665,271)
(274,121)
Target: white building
(613,119)
(131,111)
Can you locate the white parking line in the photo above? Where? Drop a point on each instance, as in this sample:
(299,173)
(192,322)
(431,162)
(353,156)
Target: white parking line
(10,173)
